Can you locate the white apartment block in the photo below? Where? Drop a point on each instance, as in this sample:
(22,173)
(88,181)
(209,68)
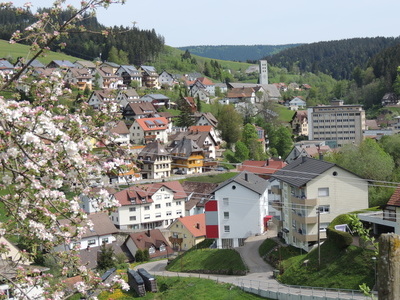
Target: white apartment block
(149,206)
(341,123)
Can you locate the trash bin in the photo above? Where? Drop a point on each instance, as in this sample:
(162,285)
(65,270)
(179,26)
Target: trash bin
(276,273)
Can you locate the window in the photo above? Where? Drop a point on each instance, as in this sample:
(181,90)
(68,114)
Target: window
(104,241)
(147,207)
(227,228)
(323,192)
(147,216)
(226,215)
(158,215)
(158,205)
(167,196)
(158,197)
(323,226)
(132,208)
(225,201)
(91,242)
(178,202)
(132,218)
(178,212)
(169,213)
(168,204)
(324,209)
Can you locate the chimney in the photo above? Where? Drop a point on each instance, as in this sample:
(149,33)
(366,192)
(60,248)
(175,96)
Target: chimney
(148,232)
(198,225)
(303,159)
(246,178)
(268,162)
(321,156)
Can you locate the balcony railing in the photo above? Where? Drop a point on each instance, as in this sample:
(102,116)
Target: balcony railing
(304,201)
(304,219)
(277,204)
(276,190)
(305,237)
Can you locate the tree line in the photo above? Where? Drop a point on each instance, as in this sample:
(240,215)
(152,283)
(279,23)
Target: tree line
(140,46)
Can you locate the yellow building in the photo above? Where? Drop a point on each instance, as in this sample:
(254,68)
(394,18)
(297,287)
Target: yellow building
(191,230)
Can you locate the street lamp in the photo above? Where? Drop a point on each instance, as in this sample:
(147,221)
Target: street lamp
(374,259)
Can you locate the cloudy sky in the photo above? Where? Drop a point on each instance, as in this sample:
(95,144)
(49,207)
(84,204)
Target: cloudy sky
(250,22)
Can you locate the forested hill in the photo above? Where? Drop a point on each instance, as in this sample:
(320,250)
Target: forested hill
(336,58)
(132,45)
(237,52)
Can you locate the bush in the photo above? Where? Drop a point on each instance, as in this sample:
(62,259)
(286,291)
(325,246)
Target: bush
(340,238)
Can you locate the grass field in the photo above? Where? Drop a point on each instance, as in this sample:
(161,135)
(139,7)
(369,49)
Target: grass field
(171,288)
(340,268)
(18,50)
(227,260)
(217,178)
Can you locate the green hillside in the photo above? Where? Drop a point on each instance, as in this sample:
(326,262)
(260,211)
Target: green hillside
(13,51)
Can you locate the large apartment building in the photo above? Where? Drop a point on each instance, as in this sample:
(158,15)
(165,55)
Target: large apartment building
(343,124)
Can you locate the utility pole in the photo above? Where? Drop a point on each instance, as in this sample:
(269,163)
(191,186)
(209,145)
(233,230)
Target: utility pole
(318,238)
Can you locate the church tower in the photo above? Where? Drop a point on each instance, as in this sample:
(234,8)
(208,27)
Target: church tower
(263,72)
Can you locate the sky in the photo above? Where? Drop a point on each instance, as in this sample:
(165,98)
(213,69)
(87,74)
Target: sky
(252,22)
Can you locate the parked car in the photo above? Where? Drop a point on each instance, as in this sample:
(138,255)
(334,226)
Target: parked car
(180,172)
(221,169)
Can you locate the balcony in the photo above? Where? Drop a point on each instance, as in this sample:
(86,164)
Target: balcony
(276,190)
(304,201)
(277,204)
(305,237)
(304,219)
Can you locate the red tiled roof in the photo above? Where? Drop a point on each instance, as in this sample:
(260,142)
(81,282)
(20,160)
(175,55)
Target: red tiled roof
(174,186)
(196,224)
(201,128)
(145,125)
(262,167)
(132,195)
(144,240)
(395,198)
(205,81)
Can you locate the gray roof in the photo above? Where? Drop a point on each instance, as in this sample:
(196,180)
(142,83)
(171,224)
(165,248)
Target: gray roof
(152,151)
(249,180)
(63,63)
(131,70)
(271,89)
(184,148)
(154,97)
(5,64)
(302,170)
(149,69)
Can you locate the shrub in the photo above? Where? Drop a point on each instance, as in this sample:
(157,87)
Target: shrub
(340,238)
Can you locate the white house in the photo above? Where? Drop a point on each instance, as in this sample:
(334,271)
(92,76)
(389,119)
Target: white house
(149,206)
(103,231)
(97,98)
(129,73)
(147,130)
(238,210)
(310,187)
(126,96)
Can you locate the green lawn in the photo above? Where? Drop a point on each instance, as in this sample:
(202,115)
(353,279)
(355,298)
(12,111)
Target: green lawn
(215,178)
(217,260)
(171,288)
(16,50)
(340,268)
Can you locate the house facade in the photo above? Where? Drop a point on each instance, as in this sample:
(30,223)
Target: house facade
(190,231)
(314,192)
(129,73)
(155,161)
(237,211)
(187,157)
(338,122)
(149,76)
(299,123)
(147,130)
(149,206)
(79,77)
(151,240)
(102,232)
